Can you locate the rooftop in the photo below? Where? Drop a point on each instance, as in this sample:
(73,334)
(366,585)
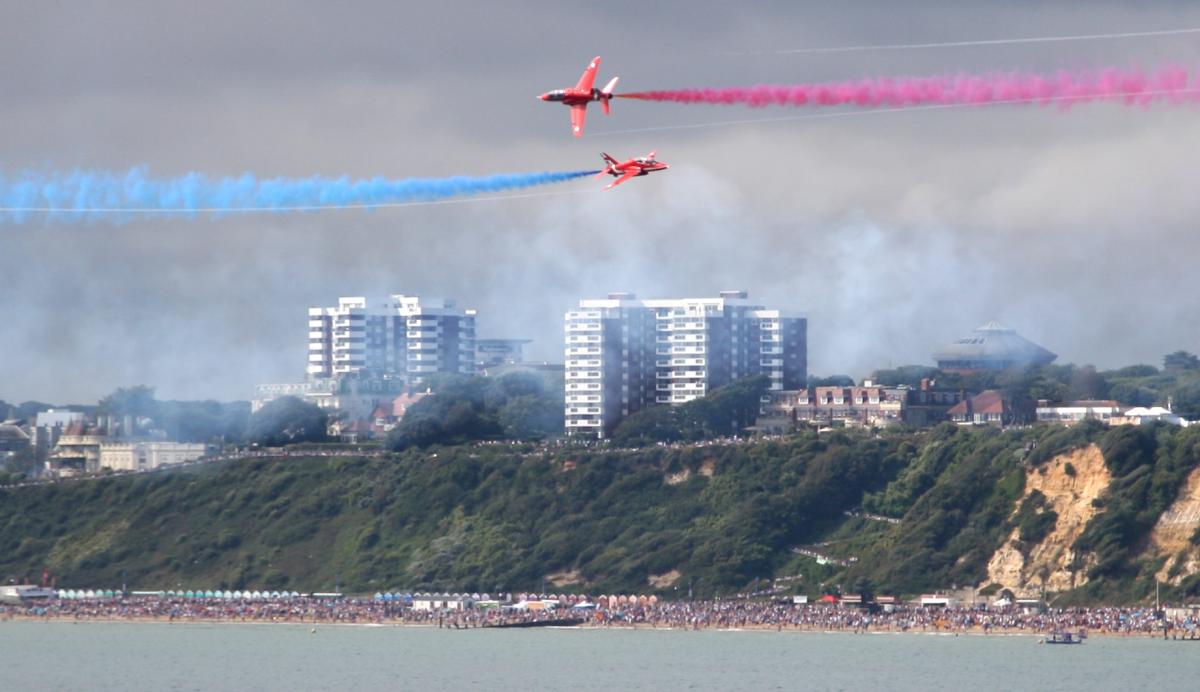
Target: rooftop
(991,346)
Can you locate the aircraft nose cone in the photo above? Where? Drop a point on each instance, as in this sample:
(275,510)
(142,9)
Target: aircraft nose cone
(543,97)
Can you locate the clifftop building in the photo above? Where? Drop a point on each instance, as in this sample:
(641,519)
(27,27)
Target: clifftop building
(364,351)
(399,336)
(623,354)
(991,347)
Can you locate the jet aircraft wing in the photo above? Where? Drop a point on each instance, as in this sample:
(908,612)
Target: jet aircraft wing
(578,115)
(589,76)
(631,173)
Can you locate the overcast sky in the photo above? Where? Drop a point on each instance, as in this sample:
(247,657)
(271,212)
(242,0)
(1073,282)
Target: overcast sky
(894,233)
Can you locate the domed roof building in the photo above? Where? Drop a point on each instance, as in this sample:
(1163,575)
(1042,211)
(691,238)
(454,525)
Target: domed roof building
(991,347)
(12,438)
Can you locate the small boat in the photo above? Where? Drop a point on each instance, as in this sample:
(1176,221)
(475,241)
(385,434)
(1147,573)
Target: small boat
(1065,638)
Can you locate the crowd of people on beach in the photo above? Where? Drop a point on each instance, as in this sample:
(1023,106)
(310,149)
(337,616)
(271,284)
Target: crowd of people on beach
(692,615)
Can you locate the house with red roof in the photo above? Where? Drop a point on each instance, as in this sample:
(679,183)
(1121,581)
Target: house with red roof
(990,407)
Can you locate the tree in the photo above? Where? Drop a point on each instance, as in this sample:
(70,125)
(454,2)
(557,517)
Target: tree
(910,375)
(725,411)
(1180,361)
(1132,371)
(203,421)
(1186,400)
(1132,395)
(452,415)
(28,410)
(830,381)
(137,401)
(287,420)
(1086,383)
(531,416)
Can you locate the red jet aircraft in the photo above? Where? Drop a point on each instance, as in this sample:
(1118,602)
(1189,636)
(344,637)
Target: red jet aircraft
(581,95)
(631,168)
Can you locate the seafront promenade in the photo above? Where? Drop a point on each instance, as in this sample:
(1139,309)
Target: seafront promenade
(682,615)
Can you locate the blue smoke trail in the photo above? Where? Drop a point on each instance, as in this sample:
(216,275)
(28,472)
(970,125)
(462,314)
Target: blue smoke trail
(90,195)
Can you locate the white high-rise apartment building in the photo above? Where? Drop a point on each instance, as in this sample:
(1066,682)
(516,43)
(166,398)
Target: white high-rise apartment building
(398,336)
(623,354)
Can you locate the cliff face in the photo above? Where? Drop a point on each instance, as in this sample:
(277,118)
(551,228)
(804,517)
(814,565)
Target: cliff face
(1070,482)
(1171,537)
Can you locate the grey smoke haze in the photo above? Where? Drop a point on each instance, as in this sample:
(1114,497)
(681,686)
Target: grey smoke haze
(894,232)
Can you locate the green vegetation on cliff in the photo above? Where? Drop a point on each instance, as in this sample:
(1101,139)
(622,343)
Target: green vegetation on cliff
(715,517)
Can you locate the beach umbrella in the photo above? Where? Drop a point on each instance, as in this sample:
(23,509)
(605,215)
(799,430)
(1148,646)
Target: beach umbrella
(90,594)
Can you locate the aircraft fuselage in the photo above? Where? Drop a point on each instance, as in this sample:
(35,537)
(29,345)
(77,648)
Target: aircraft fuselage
(571,97)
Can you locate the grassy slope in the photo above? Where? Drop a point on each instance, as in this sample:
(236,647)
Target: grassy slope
(496,518)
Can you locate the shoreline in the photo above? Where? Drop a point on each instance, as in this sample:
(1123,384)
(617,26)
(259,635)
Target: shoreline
(318,624)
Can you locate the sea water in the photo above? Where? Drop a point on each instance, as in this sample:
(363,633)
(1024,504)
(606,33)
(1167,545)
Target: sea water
(158,656)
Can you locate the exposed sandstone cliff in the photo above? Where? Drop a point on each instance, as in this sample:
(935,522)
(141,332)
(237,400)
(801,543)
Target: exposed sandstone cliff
(1070,482)
(1171,537)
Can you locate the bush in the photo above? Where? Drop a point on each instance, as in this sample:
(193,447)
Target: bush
(287,420)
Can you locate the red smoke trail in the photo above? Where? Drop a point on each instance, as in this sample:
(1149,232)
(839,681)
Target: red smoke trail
(1173,85)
